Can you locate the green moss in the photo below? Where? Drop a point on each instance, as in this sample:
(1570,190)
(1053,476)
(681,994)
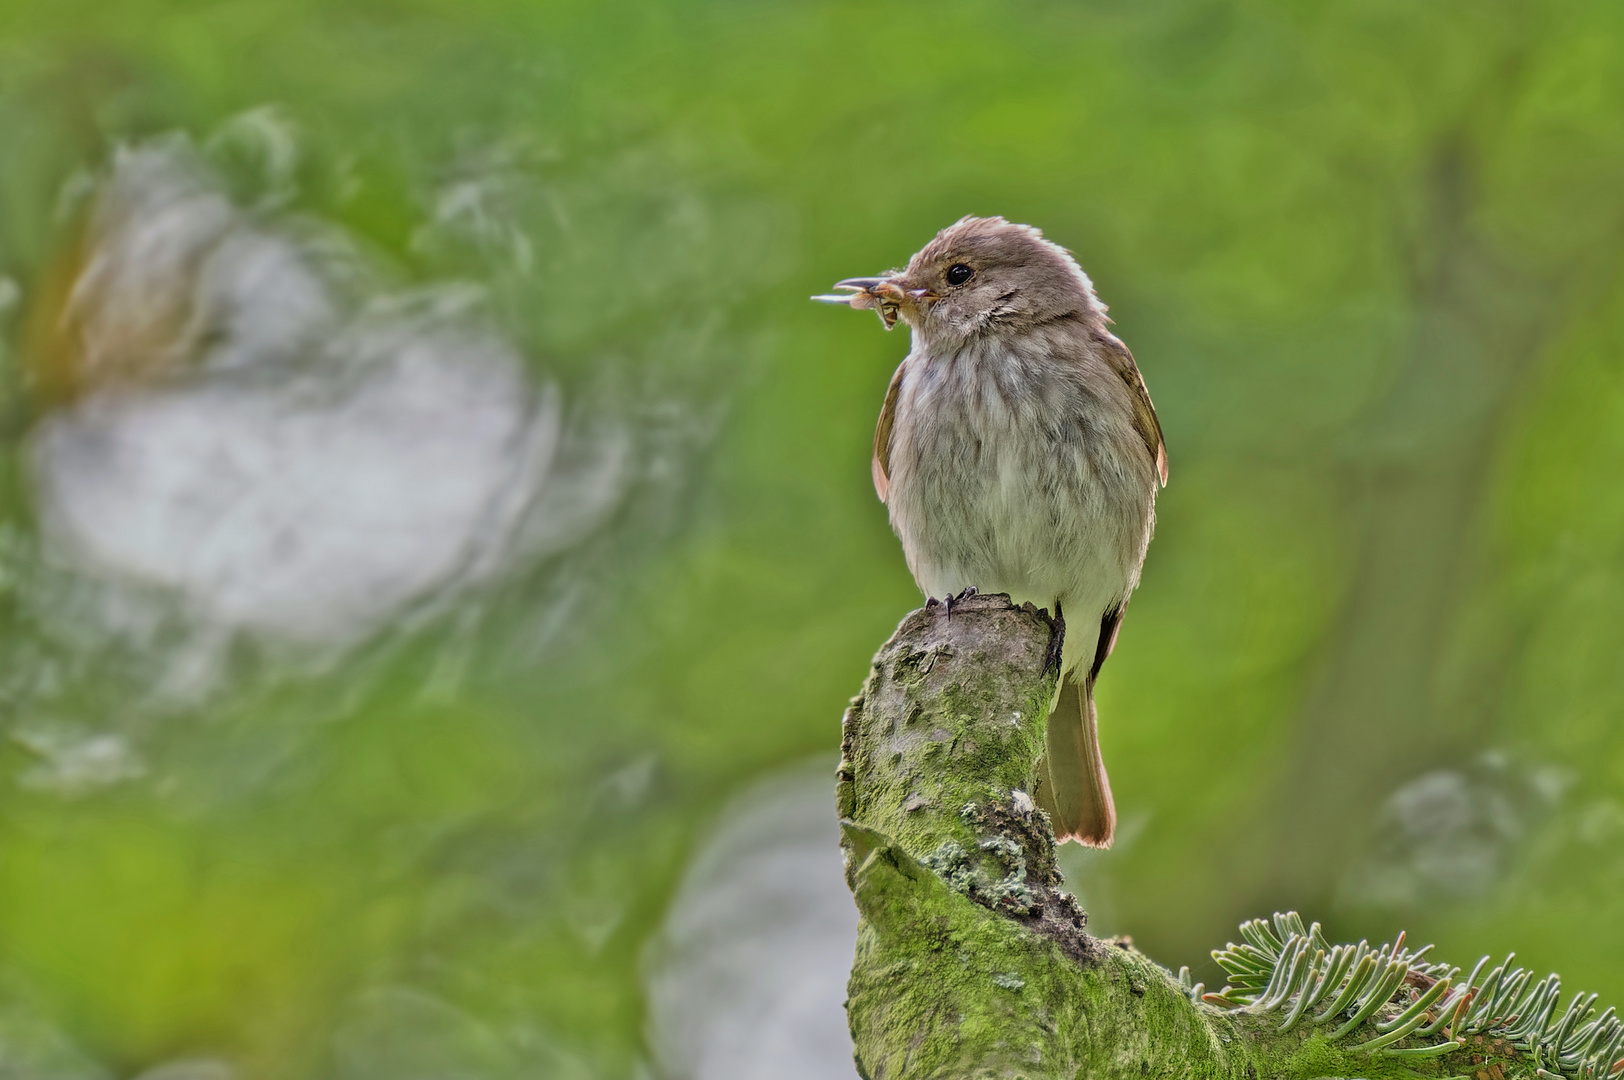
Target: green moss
(970,961)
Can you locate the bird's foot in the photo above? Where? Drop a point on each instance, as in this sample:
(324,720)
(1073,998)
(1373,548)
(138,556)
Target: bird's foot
(951,600)
(1057,640)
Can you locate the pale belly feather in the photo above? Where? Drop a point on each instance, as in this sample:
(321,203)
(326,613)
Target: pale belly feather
(1015,478)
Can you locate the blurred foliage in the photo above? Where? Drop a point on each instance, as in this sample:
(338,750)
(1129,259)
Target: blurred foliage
(1366,254)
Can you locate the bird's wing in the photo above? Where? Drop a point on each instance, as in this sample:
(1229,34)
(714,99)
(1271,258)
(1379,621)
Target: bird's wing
(882,437)
(1144,413)
(1110,624)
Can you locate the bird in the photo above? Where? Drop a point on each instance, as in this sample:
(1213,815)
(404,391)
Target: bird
(1018,452)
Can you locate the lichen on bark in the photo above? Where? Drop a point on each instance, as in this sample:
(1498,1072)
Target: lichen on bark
(971,959)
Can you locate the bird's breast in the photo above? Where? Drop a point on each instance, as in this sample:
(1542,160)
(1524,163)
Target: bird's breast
(1012,473)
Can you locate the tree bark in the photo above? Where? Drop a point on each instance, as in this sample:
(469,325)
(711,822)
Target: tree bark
(971,960)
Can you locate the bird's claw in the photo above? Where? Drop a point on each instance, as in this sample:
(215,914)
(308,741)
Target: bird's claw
(951,599)
(1057,641)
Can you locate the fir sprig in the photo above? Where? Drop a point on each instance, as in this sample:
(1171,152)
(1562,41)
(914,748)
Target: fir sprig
(1393,995)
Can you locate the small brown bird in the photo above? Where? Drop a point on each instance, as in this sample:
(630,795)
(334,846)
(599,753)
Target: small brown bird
(1018,452)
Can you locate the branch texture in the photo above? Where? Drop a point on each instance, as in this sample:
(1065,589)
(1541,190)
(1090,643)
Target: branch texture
(973,962)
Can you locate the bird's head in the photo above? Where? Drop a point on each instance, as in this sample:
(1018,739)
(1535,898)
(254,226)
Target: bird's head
(979,275)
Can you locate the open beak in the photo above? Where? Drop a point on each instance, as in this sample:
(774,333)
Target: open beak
(883,294)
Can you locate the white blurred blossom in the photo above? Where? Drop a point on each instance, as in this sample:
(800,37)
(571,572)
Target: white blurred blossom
(287,458)
(748,978)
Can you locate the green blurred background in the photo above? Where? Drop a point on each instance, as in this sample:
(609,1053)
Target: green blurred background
(1367,255)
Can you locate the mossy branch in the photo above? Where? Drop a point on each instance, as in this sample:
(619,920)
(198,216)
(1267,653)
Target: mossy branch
(973,962)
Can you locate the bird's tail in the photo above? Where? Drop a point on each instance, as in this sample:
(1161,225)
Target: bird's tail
(1072,786)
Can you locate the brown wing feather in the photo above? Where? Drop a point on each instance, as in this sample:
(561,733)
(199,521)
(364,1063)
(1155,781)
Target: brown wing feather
(1110,624)
(1144,413)
(882,438)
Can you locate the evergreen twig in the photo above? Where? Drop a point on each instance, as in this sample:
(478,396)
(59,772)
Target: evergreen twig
(1284,967)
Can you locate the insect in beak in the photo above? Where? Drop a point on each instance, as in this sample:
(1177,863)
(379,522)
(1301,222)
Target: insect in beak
(881,294)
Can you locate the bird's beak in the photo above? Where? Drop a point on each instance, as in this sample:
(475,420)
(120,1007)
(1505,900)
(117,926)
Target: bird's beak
(864,292)
(884,294)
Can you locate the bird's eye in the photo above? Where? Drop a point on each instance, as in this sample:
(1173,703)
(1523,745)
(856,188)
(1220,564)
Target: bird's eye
(958,274)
